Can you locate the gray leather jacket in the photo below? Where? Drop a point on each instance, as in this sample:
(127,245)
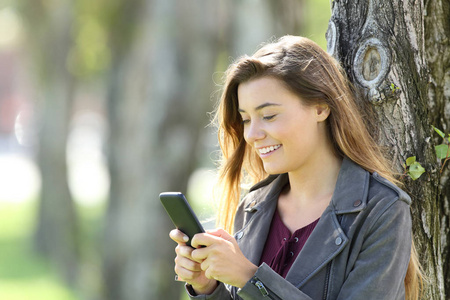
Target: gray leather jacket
(360,248)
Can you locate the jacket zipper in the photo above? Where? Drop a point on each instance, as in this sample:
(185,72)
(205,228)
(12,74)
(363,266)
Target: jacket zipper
(265,291)
(327,278)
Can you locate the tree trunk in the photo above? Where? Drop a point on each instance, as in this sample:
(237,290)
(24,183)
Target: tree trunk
(49,38)
(437,55)
(50,41)
(390,51)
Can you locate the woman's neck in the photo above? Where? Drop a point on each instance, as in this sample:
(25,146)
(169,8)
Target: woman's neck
(316,181)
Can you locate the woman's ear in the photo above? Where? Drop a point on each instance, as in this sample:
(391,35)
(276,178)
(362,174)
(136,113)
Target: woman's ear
(322,112)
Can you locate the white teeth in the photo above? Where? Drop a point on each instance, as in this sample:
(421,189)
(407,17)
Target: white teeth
(269,149)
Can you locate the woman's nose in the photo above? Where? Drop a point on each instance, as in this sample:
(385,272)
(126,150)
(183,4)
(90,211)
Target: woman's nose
(253,132)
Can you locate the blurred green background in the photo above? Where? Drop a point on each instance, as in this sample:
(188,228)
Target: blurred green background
(103,105)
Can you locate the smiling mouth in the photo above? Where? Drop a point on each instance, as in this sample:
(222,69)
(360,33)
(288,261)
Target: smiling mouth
(268,149)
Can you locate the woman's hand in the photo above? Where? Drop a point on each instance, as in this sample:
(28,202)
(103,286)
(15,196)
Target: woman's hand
(187,268)
(221,259)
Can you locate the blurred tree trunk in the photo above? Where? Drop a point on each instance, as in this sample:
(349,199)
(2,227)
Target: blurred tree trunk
(397,55)
(286,14)
(49,38)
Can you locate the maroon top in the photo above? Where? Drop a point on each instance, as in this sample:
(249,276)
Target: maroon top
(281,247)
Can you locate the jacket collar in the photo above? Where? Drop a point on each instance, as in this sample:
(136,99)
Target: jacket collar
(328,238)
(352,188)
(262,208)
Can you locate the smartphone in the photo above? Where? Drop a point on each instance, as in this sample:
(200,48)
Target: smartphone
(181,214)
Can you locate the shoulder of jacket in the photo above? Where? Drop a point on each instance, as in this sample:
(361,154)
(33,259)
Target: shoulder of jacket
(386,187)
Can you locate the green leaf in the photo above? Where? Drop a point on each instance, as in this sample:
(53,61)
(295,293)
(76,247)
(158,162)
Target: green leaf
(441,151)
(439,132)
(392,87)
(415,170)
(410,160)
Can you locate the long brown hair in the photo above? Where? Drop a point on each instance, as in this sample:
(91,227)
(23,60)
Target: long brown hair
(316,77)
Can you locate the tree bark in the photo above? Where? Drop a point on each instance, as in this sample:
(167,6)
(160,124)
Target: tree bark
(437,55)
(389,50)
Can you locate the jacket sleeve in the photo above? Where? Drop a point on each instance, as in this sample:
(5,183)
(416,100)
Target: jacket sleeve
(267,283)
(220,293)
(380,267)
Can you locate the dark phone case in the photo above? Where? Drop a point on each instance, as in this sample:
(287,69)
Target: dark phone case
(181,214)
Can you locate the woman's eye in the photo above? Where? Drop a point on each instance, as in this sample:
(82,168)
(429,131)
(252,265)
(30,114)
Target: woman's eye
(267,118)
(245,121)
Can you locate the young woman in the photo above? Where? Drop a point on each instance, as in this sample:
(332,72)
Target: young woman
(323,220)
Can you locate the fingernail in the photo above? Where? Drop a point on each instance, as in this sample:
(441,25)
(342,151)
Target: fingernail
(185,238)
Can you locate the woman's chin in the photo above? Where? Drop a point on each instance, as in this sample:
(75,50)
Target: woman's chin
(271,170)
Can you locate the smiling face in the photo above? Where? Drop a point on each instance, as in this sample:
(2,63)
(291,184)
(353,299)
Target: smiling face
(287,135)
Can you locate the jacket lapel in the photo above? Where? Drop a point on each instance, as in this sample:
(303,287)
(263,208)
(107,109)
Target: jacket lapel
(325,242)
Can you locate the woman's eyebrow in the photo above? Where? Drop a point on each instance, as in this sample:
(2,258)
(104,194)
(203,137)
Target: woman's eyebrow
(259,107)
